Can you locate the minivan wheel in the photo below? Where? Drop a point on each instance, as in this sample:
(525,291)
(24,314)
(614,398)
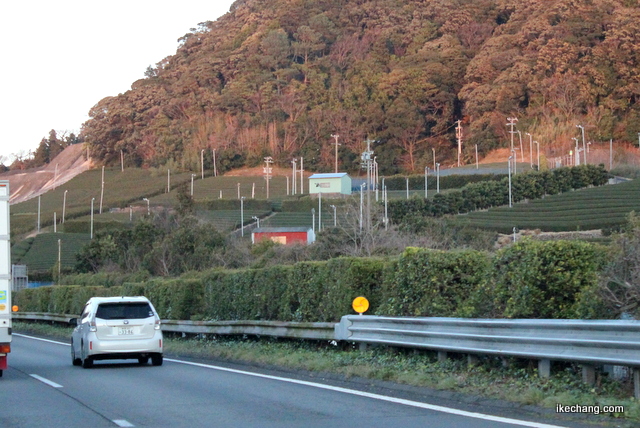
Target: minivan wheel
(156,359)
(75,361)
(143,360)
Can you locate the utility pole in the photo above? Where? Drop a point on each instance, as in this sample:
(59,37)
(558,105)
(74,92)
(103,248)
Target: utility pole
(584,145)
(202,163)
(367,160)
(267,170)
(459,137)
(336,136)
(512,124)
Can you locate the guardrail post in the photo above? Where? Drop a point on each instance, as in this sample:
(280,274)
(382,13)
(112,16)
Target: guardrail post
(442,356)
(544,368)
(636,382)
(588,374)
(472,360)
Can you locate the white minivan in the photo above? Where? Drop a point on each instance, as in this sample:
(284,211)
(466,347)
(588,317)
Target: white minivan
(113,328)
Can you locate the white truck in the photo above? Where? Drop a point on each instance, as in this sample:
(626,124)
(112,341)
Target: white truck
(5,276)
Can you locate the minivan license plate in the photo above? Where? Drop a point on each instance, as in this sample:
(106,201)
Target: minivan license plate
(125,331)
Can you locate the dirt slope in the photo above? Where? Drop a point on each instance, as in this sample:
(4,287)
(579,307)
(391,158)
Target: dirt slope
(30,183)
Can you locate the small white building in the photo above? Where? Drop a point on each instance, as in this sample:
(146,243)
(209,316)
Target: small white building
(331,184)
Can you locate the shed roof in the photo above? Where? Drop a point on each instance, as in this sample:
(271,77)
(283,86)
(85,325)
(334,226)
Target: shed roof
(329,175)
(281,229)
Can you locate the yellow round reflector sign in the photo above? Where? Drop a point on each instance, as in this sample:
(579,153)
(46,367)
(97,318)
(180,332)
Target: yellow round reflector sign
(360,304)
(15,308)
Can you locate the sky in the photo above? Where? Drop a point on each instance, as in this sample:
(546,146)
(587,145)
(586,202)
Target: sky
(59,58)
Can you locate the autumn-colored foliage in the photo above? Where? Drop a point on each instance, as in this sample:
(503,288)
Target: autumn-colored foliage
(278,77)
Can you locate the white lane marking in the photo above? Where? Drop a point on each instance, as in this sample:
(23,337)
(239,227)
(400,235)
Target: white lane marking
(358,393)
(42,340)
(378,397)
(123,423)
(47,381)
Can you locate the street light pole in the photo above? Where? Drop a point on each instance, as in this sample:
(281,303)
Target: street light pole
(293,177)
(215,171)
(202,162)
(510,203)
(91,234)
(434,157)
(192,175)
(476,156)
(64,204)
(301,175)
(102,190)
(319,210)
(335,220)
(530,148)
(515,161)
(538,147)
(361,204)
(257,219)
(521,148)
(148,206)
(426,185)
(437,178)
(386,206)
(242,216)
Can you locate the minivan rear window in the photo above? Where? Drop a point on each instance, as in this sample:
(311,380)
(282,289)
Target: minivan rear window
(124,310)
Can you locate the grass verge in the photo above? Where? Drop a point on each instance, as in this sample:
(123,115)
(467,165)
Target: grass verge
(511,380)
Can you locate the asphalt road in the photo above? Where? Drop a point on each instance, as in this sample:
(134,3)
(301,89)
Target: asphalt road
(42,389)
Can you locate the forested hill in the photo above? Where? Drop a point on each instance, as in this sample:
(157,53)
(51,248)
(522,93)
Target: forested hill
(279,77)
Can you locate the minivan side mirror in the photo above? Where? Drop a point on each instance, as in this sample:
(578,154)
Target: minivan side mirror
(73,322)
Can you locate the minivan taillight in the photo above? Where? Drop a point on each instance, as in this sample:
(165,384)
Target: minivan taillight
(156,326)
(92,325)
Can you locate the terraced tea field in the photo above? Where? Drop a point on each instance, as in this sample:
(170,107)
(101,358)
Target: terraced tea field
(586,209)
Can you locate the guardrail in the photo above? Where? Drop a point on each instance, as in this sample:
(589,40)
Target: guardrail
(294,330)
(590,342)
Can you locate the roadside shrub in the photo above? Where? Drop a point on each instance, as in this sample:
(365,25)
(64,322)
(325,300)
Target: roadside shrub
(546,279)
(434,283)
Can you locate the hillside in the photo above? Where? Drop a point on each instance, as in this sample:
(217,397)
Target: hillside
(27,184)
(279,77)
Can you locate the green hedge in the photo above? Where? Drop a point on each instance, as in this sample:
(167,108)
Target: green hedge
(531,279)
(487,194)
(233,204)
(435,283)
(552,279)
(399,182)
